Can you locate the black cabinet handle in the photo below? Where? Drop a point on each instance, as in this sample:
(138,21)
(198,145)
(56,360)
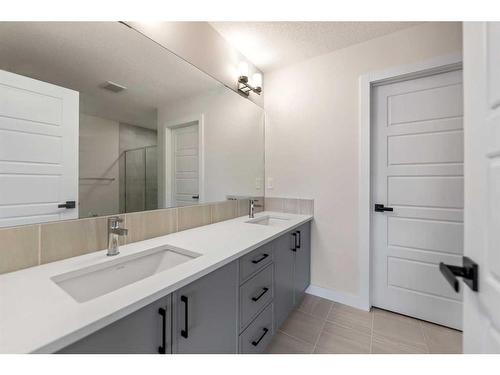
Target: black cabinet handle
(382,208)
(255,343)
(300,240)
(184,332)
(294,248)
(67,205)
(195,197)
(264,291)
(469,272)
(163,348)
(264,256)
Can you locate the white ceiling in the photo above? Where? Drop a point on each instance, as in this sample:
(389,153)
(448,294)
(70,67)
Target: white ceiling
(83,55)
(272,45)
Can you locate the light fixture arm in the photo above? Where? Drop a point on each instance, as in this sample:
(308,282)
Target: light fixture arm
(245,88)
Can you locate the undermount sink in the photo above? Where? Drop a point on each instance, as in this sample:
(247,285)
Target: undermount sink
(268,220)
(94,281)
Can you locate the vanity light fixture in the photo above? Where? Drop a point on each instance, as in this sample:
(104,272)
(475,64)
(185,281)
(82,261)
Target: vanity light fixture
(244,86)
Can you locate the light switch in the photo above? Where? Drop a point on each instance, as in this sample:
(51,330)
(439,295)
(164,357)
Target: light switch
(270,183)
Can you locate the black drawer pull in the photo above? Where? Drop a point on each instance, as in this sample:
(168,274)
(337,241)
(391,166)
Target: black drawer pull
(163,348)
(264,291)
(184,332)
(264,256)
(300,240)
(255,343)
(294,248)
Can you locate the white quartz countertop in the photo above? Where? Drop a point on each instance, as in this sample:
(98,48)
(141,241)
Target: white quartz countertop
(37,316)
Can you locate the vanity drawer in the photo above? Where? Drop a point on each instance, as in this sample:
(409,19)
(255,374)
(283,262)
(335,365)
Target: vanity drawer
(259,333)
(255,260)
(255,294)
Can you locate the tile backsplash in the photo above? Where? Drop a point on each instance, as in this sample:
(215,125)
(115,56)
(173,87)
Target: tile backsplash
(19,248)
(290,205)
(32,245)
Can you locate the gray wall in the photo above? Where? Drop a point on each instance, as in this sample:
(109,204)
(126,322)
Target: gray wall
(98,157)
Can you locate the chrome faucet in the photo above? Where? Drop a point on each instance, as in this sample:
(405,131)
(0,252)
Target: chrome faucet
(251,207)
(114,231)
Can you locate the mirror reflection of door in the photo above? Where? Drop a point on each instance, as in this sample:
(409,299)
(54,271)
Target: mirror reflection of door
(38,151)
(185,165)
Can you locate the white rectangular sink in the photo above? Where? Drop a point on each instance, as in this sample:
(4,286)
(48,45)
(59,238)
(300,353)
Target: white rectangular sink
(268,220)
(94,281)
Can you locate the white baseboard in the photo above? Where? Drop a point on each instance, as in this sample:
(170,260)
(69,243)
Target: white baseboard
(344,298)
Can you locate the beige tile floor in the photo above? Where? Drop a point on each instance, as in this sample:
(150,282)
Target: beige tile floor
(321,326)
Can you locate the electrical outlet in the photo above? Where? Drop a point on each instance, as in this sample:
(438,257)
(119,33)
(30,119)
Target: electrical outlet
(258,183)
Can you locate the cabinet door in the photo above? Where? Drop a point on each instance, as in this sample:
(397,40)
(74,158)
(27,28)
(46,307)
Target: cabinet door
(142,332)
(302,277)
(205,318)
(283,278)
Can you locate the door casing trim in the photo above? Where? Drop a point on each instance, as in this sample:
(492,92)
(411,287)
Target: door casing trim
(366,82)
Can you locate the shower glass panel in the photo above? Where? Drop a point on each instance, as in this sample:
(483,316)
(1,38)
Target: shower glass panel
(141,179)
(151,178)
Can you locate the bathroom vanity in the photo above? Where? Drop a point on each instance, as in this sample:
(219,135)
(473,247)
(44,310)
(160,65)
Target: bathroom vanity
(234,309)
(240,280)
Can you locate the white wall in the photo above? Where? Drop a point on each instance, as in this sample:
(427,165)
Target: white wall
(234,145)
(98,157)
(201,45)
(312,139)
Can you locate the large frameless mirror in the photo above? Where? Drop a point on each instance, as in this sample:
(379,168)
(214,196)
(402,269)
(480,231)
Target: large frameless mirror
(97,119)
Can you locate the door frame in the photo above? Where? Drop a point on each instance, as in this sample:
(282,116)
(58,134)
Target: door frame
(437,65)
(168,126)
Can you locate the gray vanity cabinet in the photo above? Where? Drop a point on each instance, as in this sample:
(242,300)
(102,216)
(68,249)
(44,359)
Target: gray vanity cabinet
(205,314)
(146,331)
(236,308)
(284,259)
(292,258)
(302,274)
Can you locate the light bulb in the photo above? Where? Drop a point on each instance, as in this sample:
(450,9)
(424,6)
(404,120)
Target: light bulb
(257,80)
(243,69)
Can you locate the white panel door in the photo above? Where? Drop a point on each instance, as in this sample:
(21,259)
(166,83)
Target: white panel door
(482,184)
(38,150)
(417,169)
(185,168)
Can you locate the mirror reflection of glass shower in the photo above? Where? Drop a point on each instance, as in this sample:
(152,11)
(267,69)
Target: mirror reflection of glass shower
(140,190)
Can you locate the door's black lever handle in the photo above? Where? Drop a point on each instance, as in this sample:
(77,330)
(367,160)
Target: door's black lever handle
(469,272)
(382,208)
(68,204)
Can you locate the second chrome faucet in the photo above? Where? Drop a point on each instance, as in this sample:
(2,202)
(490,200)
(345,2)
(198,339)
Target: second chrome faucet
(251,207)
